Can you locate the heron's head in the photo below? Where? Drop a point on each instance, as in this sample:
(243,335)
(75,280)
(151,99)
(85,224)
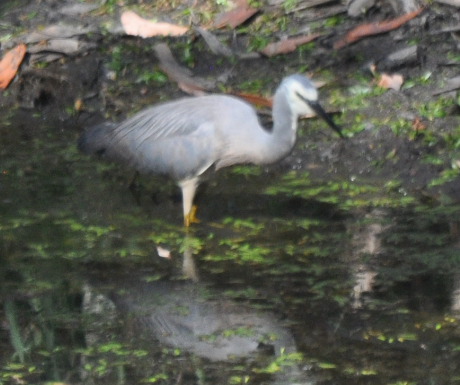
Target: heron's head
(302,97)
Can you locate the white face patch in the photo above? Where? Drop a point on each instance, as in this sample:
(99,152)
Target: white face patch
(299,106)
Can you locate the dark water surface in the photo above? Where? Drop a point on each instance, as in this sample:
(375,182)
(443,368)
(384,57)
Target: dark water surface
(285,280)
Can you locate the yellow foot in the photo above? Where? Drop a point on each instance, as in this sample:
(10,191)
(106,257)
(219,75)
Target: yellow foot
(190,217)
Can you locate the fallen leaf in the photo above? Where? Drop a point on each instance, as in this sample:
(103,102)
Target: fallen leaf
(77,105)
(72,46)
(453,3)
(77,9)
(191,89)
(183,76)
(214,44)
(417,125)
(364,30)
(137,26)
(10,64)
(235,17)
(391,81)
(58,32)
(166,58)
(287,45)
(163,253)
(44,57)
(451,85)
(257,100)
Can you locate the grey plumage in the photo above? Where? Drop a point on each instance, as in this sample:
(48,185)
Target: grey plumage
(183,138)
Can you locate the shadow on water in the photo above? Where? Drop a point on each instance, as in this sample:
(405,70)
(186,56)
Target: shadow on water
(292,281)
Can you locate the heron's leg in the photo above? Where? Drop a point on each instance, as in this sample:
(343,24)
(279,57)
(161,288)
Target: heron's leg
(132,185)
(190,218)
(188,192)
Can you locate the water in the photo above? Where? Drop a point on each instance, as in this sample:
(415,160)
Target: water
(285,280)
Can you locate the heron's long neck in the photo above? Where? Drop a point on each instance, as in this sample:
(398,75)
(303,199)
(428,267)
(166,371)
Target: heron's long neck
(282,138)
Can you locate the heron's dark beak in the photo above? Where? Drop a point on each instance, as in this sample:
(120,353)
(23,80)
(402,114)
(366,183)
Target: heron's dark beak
(315,106)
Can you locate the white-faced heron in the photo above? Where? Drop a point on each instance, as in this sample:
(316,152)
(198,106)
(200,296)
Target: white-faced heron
(183,138)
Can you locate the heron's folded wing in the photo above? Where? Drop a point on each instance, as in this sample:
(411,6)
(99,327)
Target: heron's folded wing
(178,118)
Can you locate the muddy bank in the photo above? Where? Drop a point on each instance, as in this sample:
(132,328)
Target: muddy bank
(111,81)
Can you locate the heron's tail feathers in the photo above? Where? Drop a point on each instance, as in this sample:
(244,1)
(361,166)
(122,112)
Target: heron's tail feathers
(97,139)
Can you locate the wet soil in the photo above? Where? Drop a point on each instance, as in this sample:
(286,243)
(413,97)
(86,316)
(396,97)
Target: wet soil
(375,151)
